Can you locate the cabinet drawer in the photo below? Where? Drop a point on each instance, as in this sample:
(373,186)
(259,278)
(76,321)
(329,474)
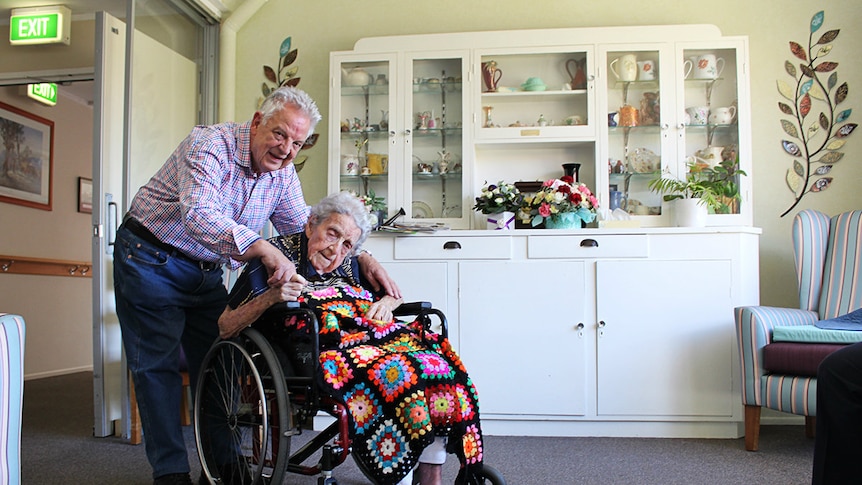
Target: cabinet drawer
(580,246)
(456,247)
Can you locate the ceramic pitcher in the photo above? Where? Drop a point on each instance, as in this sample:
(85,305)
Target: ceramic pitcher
(491,74)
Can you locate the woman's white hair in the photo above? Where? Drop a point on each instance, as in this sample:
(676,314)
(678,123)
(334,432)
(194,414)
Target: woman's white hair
(347,204)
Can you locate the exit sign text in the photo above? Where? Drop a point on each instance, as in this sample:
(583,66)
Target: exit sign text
(40,25)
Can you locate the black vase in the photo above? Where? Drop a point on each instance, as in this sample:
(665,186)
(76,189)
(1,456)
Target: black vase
(571,169)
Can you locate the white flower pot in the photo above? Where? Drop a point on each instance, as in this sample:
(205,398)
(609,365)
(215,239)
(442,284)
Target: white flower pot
(688,213)
(502,221)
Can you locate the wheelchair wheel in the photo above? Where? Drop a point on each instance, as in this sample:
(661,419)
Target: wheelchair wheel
(242,412)
(490,475)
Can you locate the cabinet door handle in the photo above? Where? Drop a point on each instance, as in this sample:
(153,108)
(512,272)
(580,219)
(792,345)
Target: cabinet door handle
(601,324)
(579,326)
(589,243)
(451,245)
(407,132)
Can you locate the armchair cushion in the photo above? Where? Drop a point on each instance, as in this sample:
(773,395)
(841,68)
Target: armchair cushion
(795,358)
(814,334)
(851,321)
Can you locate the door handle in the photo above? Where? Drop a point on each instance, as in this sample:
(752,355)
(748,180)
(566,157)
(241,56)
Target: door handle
(589,243)
(451,245)
(112,210)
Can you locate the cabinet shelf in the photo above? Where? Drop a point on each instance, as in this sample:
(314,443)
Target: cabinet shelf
(622,130)
(520,95)
(711,126)
(430,177)
(371,90)
(437,88)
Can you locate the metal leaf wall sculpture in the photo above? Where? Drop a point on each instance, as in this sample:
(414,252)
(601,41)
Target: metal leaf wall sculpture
(285,75)
(817,127)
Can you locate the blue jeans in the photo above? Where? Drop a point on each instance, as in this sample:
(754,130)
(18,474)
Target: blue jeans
(163,301)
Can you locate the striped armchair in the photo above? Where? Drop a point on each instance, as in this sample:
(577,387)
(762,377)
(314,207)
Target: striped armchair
(828,256)
(11,396)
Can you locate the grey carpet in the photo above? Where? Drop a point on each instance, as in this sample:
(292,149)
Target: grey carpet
(58,447)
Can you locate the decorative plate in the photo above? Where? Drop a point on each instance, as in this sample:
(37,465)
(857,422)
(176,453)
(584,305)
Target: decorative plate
(421,210)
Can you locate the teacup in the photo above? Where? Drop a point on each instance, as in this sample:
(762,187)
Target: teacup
(699,114)
(628,67)
(613,119)
(709,156)
(722,116)
(646,70)
(705,66)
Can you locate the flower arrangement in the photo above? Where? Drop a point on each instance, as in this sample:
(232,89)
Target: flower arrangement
(558,197)
(373,202)
(496,199)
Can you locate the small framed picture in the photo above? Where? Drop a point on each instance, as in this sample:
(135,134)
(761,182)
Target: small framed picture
(85,195)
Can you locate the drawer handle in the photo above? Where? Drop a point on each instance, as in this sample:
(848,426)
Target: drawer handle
(589,243)
(451,245)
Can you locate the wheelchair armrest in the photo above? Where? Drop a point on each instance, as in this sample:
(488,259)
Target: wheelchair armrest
(412,308)
(423,310)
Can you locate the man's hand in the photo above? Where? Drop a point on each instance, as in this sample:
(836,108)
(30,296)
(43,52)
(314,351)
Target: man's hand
(278,267)
(377,276)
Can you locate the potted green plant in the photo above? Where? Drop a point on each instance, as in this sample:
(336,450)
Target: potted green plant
(375,205)
(703,189)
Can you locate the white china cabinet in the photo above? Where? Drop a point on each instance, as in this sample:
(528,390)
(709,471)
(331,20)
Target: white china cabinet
(593,332)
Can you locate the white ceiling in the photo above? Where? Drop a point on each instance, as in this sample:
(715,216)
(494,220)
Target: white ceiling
(81,9)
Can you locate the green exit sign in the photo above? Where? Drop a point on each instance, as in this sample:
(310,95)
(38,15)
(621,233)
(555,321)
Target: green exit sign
(40,25)
(45,93)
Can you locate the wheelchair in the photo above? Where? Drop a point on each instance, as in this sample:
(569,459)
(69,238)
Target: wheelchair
(258,390)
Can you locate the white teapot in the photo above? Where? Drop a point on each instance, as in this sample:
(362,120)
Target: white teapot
(355,77)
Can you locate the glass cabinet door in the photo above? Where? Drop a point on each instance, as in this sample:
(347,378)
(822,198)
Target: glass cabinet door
(638,146)
(360,130)
(710,108)
(434,164)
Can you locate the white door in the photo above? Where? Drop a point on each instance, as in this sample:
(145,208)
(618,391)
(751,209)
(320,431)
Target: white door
(136,129)
(108,122)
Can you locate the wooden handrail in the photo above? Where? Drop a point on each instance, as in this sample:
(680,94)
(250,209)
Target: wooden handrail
(41,266)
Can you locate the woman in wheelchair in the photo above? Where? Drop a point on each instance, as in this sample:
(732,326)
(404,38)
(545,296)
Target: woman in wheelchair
(409,397)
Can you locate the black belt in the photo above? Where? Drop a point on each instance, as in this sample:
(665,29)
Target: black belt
(138,229)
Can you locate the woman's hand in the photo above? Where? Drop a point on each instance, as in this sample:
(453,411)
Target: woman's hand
(291,290)
(382,309)
(233,320)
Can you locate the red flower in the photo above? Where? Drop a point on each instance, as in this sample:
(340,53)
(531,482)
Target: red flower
(567,179)
(564,189)
(575,198)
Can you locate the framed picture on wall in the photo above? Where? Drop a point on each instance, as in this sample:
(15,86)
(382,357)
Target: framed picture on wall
(26,158)
(85,195)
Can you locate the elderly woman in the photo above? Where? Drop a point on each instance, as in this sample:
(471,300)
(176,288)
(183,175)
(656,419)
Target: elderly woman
(407,391)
